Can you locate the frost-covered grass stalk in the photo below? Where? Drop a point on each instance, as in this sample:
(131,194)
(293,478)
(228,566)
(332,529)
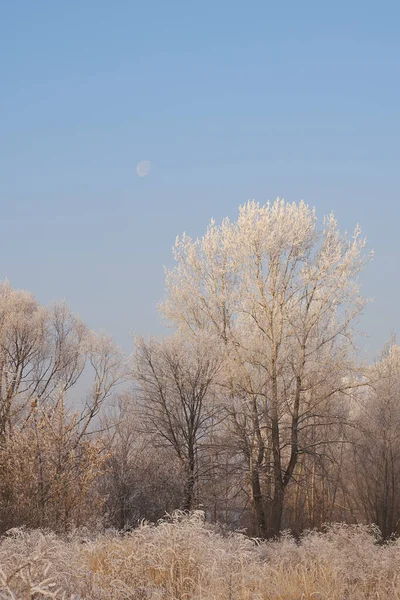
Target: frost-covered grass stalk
(182,558)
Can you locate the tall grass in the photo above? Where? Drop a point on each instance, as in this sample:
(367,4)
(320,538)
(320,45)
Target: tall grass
(183,558)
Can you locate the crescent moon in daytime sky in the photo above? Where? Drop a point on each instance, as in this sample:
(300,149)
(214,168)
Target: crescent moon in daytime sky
(143,168)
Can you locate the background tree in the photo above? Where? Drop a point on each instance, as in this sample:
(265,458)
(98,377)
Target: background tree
(142,480)
(175,380)
(49,473)
(376,444)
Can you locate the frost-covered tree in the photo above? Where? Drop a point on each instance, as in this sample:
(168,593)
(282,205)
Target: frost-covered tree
(48,457)
(41,351)
(280,298)
(44,352)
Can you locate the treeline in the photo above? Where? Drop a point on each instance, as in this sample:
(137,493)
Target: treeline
(255,410)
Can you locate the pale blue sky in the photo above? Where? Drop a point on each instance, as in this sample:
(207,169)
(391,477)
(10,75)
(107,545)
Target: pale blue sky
(228,100)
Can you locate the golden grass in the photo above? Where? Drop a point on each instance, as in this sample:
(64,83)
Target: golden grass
(183,558)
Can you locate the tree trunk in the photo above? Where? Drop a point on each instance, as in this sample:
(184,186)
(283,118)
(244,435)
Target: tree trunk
(279,490)
(276,510)
(188,500)
(257,502)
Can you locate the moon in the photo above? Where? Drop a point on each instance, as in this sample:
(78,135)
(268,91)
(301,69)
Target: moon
(143,168)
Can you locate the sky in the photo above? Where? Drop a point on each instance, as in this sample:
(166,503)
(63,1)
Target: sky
(228,101)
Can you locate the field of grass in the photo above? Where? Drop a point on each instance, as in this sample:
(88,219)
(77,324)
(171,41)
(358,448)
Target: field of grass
(183,558)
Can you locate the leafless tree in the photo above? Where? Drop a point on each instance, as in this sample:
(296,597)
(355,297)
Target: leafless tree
(174,380)
(142,480)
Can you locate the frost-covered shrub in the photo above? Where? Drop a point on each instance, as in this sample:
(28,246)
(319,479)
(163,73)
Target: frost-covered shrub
(184,558)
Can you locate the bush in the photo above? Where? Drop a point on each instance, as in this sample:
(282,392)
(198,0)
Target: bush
(183,558)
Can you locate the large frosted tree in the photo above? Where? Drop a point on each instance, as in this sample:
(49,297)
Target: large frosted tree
(280,297)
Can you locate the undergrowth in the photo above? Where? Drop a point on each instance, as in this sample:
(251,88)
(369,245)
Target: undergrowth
(183,558)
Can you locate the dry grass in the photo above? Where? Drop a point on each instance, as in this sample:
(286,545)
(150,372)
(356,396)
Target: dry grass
(183,558)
